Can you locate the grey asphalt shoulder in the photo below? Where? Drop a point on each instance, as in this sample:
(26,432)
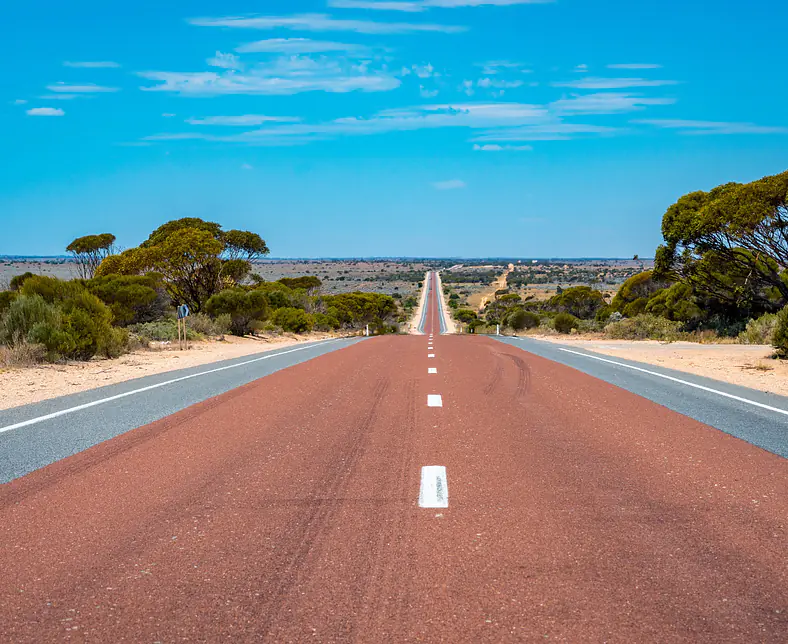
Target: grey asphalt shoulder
(33,436)
(739,411)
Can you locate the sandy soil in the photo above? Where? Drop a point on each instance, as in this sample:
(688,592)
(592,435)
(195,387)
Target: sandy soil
(34,384)
(747,365)
(479,300)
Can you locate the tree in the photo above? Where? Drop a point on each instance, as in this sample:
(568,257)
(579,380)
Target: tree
(580,301)
(731,243)
(90,251)
(195,258)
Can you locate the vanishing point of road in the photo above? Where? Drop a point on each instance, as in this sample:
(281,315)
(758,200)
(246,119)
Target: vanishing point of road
(434,488)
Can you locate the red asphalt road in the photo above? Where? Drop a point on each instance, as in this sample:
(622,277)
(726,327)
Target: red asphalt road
(286,510)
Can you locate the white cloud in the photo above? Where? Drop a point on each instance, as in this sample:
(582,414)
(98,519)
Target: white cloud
(246,166)
(282,76)
(581,69)
(422,5)
(493,67)
(19,101)
(106,64)
(613,83)
(498,83)
(634,66)
(494,147)
(168,115)
(712,127)
(424,71)
(605,103)
(245,120)
(45,111)
(297,46)
(451,184)
(322,22)
(427,93)
(467,88)
(225,61)
(555,131)
(85,88)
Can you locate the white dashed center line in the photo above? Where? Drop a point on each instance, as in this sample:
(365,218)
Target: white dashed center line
(434,400)
(432,370)
(430,355)
(434,490)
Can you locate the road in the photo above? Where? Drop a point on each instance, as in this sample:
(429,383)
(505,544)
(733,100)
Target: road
(555,506)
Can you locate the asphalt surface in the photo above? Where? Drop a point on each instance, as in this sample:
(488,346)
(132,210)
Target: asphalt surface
(288,510)
(27,448)
(758,425)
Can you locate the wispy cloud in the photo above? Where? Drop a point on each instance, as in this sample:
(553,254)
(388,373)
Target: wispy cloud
(61,97)
(297,46)
(712,127)
(285,75)
(106,64)
(19,101)
(613,83)
(498,83)
(225,61)
(427,93)
(422,5)
(85,88)
(556,131)
(169,115)
(605,103)
(634,66)
(322,22)
(45,111)
(493,67)
(495,147)
(451,184)
(244,120)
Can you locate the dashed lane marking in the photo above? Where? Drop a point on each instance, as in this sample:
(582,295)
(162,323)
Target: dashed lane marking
(434,400)
(430,355)
(434,489)
(432,370)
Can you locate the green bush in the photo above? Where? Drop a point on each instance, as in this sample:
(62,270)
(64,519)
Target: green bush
(324,322)
(565,322)
(208,326)
(780,336)
(23,315)
(644,327)
(579,301)
(292,319)
(520,319)
(241,305)
(761,330)
(6,297)
(132,298)
(165,330)
(18,280)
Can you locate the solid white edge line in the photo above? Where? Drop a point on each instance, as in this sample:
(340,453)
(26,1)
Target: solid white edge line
(434,400)
(434,487)
(71,410)
(683,382)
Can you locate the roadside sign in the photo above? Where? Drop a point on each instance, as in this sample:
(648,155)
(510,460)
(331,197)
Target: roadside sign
(183,311)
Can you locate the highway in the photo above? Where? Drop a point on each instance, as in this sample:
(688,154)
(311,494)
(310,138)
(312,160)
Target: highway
(432,487)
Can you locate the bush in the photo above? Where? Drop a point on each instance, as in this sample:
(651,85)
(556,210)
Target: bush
(23,355)
(241,305)
(565,322)
(165,330)
(24,314)
(324,322)
(644,327)
(521,319)
(780,336)
(580,301)
(208,326)
(132,298)
(18,280)
(292,319)
(6,297)
(760,331)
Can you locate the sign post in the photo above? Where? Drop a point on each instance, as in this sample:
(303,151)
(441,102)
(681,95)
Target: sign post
(183,313)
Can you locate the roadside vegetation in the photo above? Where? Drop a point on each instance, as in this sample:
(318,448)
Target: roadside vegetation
(123,301)
(721,275)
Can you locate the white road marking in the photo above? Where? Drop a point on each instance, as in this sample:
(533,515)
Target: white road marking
(434,400)
(683,382)
(430,355)
(71,410)
(432,370)
(434,489)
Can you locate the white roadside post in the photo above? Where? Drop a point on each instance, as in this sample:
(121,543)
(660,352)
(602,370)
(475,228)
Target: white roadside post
(497,329)
(366,330)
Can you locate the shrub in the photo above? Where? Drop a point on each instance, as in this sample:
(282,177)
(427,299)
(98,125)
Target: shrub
(760,331)
(466,316)
(241,305)
(6,297)
(208,326)
(644,327)
(17,280)
(521,319)
(580,301)
(780,336)
(292,319)
(565,322)
(23,355)
(324,322)
(165,330)
(22,315)
(132,298)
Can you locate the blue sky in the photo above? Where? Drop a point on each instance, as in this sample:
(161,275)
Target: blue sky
(384,127)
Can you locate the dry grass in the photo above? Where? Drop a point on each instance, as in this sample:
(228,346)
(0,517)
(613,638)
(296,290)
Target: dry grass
(25,355)
(758,366)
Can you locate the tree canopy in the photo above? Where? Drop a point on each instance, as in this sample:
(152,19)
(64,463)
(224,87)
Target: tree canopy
(90,251)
